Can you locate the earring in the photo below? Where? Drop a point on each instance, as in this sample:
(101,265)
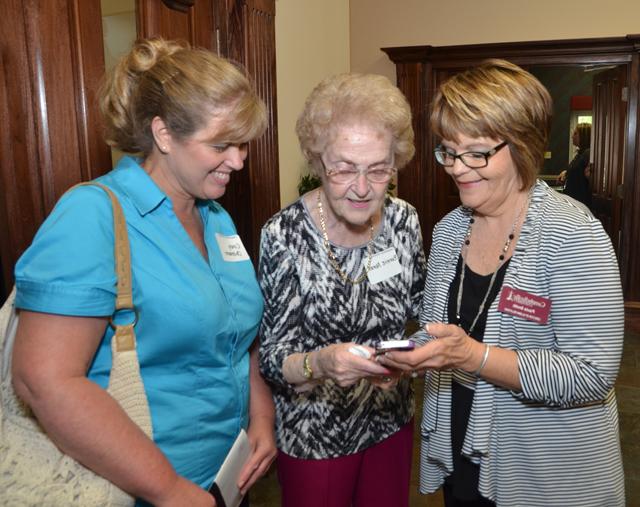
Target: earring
(163,149)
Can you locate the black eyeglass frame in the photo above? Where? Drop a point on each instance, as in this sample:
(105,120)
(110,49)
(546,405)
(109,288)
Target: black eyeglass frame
(486,154)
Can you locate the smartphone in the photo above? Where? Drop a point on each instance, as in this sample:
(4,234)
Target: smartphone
(389,345)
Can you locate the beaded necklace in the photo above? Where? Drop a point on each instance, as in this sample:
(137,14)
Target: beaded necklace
(501,258)
(332,258)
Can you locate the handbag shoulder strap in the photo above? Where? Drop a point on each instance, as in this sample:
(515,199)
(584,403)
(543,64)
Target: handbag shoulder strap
(122,253)
(124,298)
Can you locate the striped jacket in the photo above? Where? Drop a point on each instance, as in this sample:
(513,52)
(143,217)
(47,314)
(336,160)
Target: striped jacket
(556,442)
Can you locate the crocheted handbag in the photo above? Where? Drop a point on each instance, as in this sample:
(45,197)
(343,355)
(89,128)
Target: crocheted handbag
(33,471)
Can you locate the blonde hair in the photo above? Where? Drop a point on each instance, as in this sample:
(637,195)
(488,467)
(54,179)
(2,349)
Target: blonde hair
(499,100)
(184,86)
(352,98)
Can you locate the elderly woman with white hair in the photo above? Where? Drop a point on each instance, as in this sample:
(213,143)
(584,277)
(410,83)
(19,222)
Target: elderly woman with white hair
(342,269)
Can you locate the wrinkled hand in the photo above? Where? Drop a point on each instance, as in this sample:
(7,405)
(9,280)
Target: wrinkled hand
(346,368)
(263,452)
(453,348)
(184,492)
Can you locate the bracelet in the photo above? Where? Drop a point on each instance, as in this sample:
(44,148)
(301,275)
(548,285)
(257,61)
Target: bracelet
(484,361)
(307,372)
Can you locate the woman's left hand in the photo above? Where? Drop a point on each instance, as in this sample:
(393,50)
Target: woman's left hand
(453,348)
(263,446)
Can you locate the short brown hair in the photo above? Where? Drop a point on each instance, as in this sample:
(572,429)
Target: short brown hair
(584,135)
(347,98)
(497,99)
(182,85)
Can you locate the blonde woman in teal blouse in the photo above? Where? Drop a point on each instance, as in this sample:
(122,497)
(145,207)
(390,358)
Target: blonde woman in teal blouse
(190,115)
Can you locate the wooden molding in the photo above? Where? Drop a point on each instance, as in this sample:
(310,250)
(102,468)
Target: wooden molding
(179,5)
(610,49)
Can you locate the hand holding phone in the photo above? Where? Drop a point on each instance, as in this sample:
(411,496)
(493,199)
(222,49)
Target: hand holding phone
(389,345)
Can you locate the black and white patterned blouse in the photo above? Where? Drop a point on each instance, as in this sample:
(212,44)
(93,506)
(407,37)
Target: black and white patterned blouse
(308,306)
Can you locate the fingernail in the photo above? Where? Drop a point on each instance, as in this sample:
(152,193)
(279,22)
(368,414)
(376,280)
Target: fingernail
(426,327)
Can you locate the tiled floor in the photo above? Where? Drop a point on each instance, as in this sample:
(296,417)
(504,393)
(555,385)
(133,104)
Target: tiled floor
(266,492)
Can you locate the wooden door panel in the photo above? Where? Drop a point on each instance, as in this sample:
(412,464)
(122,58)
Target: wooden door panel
(412,181)
(50,69)
(21,209)
(446,195)
(609,119)
(255,194)
(51,62)
(243,31)
(51,66)
(189,20)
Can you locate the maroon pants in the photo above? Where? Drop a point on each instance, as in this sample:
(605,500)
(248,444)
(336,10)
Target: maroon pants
(376,477)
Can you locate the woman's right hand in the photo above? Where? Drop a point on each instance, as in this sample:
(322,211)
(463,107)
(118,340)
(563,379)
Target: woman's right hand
(562,176)
(185,492)
(344,367)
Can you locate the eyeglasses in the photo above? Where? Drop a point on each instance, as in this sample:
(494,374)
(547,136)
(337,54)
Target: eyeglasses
(472,159)
(350,173)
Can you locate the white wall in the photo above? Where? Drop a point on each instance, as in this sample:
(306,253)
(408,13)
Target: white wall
(312,42)
(386,23)
(118,35)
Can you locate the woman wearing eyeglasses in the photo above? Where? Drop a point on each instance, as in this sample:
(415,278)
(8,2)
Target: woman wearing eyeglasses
(342,269)
(523,314)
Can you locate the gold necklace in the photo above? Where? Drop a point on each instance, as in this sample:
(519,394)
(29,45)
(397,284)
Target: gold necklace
(501,259)
(332,258)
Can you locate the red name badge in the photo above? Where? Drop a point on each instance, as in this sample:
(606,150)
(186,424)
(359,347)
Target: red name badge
(522,304)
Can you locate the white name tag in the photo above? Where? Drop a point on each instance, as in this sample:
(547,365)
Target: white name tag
(232,248)
(384,265)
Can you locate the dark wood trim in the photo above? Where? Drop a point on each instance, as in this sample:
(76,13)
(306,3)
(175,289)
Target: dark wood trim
(598,50)
(254,194)
(51,63)
(49,110)
(88,53)
(179,5)
(421,66)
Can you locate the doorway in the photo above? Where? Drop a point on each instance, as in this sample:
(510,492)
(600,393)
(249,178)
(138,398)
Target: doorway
(420,70)
(596,95)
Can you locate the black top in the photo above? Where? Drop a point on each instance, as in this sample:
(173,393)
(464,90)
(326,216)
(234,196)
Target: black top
(464,479)
(577,184)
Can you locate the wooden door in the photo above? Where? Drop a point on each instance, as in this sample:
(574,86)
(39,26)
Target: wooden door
(51,61)
(254,196)
(607,173)
(193,21)
(243,31)
(50,65)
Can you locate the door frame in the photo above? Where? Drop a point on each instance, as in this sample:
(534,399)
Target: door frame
(417,68)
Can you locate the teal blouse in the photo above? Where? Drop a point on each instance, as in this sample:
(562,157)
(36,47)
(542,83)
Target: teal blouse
(197,318)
